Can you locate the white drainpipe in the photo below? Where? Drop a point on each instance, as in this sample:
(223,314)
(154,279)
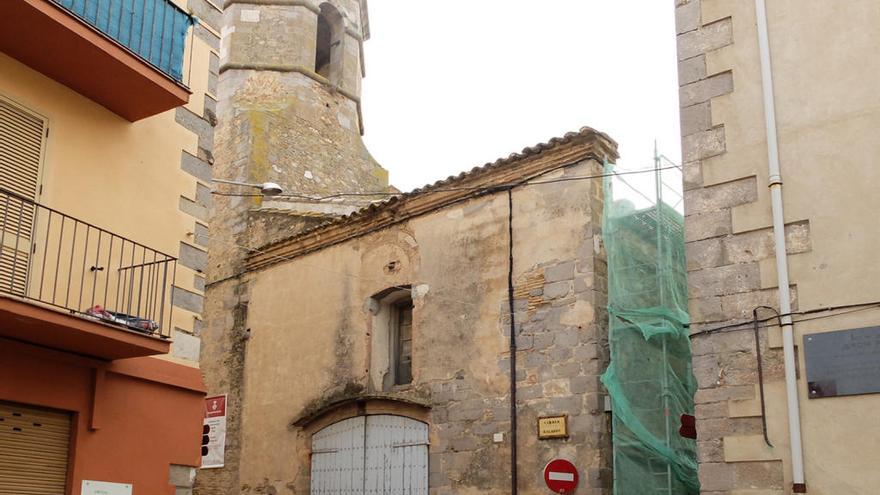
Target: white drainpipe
(794,420)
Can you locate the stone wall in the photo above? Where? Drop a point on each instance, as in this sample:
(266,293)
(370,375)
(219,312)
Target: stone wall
(723,274)
(310,332)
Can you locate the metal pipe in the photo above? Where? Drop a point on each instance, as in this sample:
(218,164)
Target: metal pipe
(775,184)
(760,367)
(513,422)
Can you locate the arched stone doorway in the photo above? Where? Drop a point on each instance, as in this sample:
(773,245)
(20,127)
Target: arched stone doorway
(371,454)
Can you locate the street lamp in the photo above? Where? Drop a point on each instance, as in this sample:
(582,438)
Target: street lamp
(266,188)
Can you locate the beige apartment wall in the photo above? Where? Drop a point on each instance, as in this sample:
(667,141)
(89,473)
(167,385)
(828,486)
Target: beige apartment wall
(310,332)
(826,74)
(147,181)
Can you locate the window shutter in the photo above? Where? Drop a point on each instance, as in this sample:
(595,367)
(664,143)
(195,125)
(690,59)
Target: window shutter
(34,445)
(21,153)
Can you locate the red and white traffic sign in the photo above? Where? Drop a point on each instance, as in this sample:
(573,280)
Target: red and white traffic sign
(561,476)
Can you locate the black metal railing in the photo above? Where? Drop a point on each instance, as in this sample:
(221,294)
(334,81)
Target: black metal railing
(156,30)
(55,259)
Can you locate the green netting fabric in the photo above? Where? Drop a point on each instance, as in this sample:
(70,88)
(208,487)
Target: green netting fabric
(649,378)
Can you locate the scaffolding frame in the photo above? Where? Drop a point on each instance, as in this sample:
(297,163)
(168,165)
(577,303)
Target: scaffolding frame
(649,380)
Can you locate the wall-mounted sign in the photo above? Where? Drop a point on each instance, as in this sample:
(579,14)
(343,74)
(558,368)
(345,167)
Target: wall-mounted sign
(90,487)
(561,476)
(214,432)
(846,362)
(553,427)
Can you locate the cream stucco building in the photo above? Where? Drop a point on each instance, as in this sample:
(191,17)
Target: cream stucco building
(106,123)
(820,79)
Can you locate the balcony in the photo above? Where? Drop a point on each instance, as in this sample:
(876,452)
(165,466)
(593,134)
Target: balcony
(71,286)
(127,56)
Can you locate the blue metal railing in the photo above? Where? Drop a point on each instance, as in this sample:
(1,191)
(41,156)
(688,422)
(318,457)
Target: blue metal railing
(153,29)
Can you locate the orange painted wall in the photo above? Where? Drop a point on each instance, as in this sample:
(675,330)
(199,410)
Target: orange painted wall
(149,413)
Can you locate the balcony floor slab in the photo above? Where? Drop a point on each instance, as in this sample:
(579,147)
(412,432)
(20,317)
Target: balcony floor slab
(38,325)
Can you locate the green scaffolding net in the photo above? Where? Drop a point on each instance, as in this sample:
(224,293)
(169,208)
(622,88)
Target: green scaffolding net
(649,378)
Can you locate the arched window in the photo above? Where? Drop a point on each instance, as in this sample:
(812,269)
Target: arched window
(392,335)
(328,46)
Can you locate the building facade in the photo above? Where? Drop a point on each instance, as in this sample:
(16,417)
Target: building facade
(378,350)
(795,86)
(364,341)
(106,121)
(288,112)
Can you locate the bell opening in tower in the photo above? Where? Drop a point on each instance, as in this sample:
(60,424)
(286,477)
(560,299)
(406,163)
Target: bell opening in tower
(322,51)
(328,44)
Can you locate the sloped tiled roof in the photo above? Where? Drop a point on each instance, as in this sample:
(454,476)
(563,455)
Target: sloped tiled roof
(584,144)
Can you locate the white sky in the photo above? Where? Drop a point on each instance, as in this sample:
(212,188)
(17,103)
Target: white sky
(452,85)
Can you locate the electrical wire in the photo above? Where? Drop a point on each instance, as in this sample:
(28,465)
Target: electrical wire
(853,308)
(499,187)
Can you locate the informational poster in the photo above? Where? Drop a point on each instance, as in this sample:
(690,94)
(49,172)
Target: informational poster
(214,432)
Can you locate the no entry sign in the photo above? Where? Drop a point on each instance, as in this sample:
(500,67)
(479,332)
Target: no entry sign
(561,476)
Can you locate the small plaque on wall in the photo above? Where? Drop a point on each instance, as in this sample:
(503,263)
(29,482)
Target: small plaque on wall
(90,487)
(553,427)
(840,363)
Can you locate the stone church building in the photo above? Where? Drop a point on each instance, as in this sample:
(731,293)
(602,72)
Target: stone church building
(364,341)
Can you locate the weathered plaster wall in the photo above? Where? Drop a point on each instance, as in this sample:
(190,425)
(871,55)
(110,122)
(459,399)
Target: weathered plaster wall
(825,75)
(310,332)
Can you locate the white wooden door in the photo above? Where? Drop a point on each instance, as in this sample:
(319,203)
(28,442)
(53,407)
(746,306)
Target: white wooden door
(373,455)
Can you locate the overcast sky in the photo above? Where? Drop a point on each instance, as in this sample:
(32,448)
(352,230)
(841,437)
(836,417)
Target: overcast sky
(455,84)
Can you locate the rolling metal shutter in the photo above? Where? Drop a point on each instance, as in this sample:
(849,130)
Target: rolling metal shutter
(34,444)
(21,153)
(372,455)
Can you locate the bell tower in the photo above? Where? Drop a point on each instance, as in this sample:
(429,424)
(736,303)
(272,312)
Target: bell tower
(288,112)
(290,95)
